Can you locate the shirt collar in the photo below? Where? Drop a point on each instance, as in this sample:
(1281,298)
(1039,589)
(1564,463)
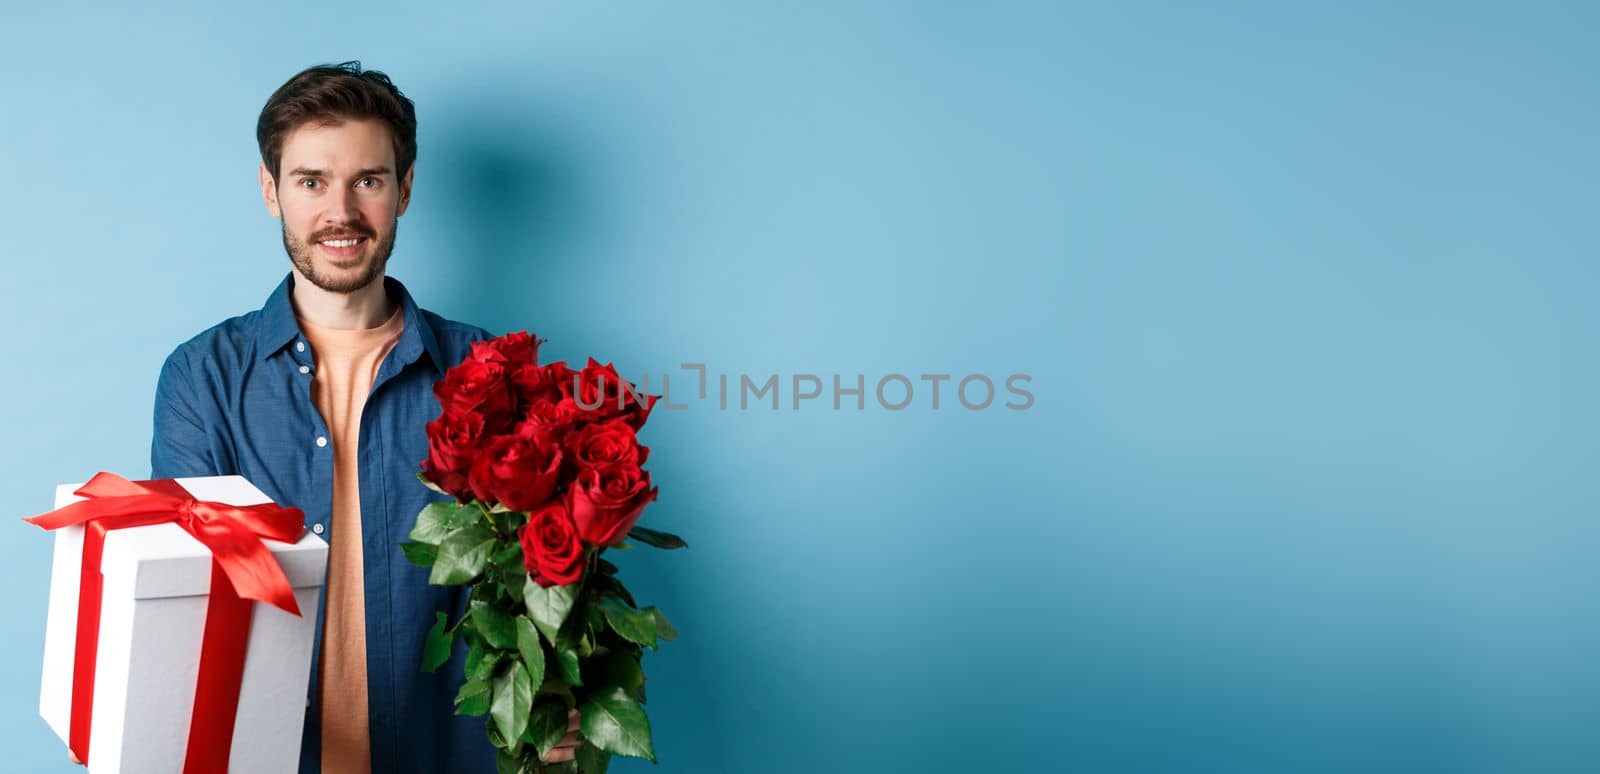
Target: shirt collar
(279,327)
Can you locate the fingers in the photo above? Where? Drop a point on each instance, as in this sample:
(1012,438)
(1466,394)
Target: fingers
(567,748)
(559,755)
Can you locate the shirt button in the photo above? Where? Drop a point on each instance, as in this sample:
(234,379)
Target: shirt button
(300,346)
(305,369)
(318,528)
(322,440)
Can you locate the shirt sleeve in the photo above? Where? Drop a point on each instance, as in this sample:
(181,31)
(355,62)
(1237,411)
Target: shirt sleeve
(179,446)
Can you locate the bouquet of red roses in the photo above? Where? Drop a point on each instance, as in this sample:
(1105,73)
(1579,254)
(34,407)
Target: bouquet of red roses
(545,468)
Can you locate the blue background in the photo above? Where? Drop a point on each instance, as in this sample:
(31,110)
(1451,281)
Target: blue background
(1308,298)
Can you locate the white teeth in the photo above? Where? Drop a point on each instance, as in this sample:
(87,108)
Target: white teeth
(341,242)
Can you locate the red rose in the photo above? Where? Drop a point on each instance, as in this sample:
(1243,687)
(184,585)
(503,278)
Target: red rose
(484,352)
(601,393)
(595,388)
(476,387)
(539,382)
(549,419)
(519,473)
(635,414)
(452,446)
(606,443)
(551,551)
(510,350)
(606,502)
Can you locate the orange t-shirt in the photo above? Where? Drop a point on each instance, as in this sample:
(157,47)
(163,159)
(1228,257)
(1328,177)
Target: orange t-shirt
(346,363)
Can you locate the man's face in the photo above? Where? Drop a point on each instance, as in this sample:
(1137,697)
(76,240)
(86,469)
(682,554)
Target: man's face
(340,201)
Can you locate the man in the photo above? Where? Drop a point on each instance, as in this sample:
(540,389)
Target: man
(319,398)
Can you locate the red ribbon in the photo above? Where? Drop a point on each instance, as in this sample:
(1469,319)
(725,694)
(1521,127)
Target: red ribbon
(242,569)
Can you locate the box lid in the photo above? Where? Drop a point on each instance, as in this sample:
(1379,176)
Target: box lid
(163,560)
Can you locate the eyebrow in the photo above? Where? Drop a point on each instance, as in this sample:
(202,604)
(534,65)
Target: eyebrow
(303,172)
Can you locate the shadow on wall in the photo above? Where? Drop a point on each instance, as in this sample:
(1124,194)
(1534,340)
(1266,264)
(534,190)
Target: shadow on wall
(513,207)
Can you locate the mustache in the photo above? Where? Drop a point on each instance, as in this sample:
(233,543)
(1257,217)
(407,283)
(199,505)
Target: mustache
(341,234)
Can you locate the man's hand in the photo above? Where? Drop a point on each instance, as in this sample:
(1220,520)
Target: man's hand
(72,757)
(568,746)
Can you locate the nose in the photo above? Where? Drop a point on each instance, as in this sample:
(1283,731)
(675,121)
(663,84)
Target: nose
(342,208)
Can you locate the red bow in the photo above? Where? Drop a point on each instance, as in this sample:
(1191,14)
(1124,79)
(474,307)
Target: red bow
(242,568)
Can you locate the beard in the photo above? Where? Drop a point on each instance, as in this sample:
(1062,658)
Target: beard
(301,254)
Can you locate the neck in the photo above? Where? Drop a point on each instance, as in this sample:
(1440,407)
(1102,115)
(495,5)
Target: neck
(366,308)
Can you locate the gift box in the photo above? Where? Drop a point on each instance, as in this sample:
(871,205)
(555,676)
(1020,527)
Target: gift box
(178,611)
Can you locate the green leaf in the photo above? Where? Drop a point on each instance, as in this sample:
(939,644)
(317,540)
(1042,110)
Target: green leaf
(548,607)
(617,669)
(492,733)
(532,652)
(656,538)
(567,658)
(616,723)
(510,556)
(462,556)
(505,522)
(637,626)
(619,547)
(604,585)
(484,668)
(420,554)
(593,615)
(473,513)
(592,759)
(476,705)
(664,628)
(547,726)
(513,698)
(508,570)
(436,648)
(472,687)
(506,763)
(437,520)
(499,594)
(555,685)
(494,624)
(429,484)
(473,698)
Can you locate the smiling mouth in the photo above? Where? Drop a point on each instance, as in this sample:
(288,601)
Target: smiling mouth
(344,253)
(343,243)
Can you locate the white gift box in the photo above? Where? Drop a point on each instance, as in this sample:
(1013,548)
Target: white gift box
(156,584)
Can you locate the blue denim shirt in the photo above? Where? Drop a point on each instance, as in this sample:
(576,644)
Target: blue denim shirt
(236,399)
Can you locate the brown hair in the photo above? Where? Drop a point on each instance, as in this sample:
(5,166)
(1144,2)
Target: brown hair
(332,94)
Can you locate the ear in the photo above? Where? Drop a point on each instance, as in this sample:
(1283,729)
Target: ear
(269,192)
(405,192)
